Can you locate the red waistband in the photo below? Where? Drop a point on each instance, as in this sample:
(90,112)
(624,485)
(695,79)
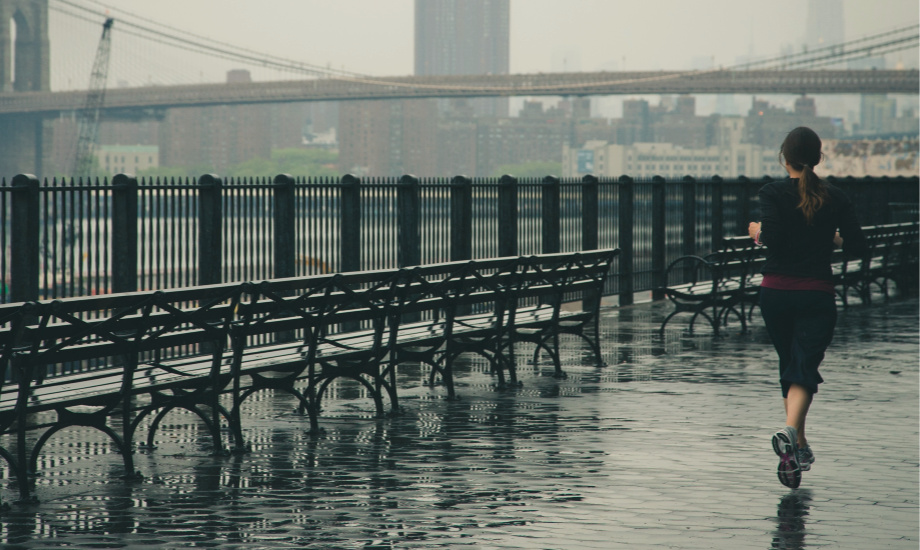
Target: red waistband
(790,282)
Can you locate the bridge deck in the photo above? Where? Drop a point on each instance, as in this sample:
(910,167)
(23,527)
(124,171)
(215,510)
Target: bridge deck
(552,84)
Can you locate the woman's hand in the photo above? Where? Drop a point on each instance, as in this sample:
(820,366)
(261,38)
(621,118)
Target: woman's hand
(838,240)
(753,229)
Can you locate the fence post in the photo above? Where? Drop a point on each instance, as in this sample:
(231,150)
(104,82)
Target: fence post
(911,191)
(870,196)
(718,217)
(409,238)
(550,210)
(742,208)
(658,238)
(589,225)
(24,249)
(210,229)
(507,216)
(589,213)
(688,216)
(461,219)
(626,217)
(885,198)
(350,243)
(283,227)
(124,233)
(855,193)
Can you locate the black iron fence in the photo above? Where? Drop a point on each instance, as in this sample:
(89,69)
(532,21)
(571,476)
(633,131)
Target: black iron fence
(69,238)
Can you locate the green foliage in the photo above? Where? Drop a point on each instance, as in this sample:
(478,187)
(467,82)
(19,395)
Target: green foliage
(530,169)
(176,171)
(252,168)
(296,162)
(65,172)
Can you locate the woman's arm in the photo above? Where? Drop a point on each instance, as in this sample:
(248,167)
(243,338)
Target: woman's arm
(772,230)
(854,240)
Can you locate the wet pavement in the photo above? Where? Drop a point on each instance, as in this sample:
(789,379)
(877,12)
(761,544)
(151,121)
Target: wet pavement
(668,447)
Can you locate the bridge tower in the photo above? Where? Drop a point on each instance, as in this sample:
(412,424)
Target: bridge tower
(25,66)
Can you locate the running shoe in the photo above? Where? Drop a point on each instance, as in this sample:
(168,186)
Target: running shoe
(788,470)
(805,457)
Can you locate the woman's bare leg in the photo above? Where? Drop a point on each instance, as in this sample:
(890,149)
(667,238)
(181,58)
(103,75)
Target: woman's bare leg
(796,403)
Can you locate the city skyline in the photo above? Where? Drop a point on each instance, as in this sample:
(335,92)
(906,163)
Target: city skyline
(410,130)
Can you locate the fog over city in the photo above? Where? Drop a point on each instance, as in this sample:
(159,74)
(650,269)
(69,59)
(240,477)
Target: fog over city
(376,37)
(171,42)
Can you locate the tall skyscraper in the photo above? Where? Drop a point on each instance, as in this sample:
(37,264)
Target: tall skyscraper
(824,23)
(454,37)
(824,27)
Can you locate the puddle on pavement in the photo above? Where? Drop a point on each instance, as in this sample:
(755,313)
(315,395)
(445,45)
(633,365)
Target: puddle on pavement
(543,462)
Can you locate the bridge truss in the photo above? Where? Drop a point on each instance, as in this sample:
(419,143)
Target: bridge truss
(549,84)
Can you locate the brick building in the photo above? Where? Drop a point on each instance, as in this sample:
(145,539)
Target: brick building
(388,138)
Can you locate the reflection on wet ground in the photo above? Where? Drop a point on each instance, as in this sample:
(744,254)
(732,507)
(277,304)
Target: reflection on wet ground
(668,446)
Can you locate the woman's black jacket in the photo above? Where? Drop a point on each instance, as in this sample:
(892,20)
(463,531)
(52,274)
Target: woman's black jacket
(800,249)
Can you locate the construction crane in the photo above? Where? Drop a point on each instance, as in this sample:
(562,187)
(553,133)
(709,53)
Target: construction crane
(88,117)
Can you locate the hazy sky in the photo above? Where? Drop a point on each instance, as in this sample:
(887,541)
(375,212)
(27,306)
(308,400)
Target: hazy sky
(376,36)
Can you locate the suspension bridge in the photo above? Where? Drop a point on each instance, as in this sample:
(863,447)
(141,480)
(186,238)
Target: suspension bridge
(558,84)
(36,94)
(143,42)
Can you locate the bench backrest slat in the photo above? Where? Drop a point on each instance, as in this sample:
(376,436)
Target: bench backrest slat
(122,327)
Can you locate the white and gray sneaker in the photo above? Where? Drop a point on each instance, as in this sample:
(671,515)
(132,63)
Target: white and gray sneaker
(805,457)
(784,445)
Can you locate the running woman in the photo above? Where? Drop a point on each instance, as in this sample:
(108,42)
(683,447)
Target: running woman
(802,219)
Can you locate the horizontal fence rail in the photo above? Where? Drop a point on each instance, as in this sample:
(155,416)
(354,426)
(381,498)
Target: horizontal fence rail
(64,238)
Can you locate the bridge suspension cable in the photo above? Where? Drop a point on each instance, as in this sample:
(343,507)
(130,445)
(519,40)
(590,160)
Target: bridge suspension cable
(879,44)
(190,42)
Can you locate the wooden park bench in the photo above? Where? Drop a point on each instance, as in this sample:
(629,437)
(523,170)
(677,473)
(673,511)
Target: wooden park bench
(361,325)
(891,258)
(316,328)
(119,362)
(726,283)
(713,286)
(132,356)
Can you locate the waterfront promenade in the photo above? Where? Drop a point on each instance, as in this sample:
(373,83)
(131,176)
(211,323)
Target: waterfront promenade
(667,447)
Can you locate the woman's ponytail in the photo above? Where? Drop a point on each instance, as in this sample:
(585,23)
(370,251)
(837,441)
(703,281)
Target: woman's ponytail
(811,193)
(801,150)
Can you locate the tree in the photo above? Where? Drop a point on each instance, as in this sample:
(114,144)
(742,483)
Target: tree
(296,162)
(530,169)
(176,171)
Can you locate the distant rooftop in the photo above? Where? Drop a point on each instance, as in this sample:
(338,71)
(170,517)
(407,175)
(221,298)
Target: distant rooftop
(129,148)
